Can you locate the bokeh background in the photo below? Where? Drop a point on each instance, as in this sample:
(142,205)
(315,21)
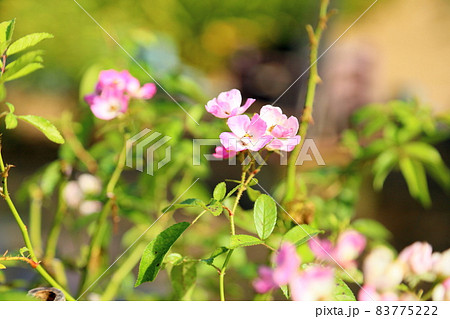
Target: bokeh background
(398,49)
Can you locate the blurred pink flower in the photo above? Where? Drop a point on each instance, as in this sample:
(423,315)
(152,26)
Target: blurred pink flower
(349,246)
(113,92)
(381,270)
(369,293)
(313,284)
(222,153)
(109,104)
(441,263)
(245,134)
(282,128)
(417,258)
(228,104)
(442,291)
(286,263)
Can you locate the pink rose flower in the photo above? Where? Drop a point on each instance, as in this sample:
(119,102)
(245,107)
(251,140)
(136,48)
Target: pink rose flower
(109,104)
(417,258)
(228,104)
(222,153)
(314,284)
(113,92)
(349,246)
(245,134)
(282,128)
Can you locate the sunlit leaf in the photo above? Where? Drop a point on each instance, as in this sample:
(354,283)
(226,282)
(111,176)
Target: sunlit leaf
(27,41)
(45,126)
(265,215)
(156,250)
(300,234)
(243,240)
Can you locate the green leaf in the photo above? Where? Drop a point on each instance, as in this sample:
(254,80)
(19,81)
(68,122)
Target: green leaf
(423,152)
(265,216)
(183,279)
(155,251)
(27,69)
(10,107)
(25,59)
(7,30)
(215,207)
(372,229)
(23,250)
(27,41)
(382,166)
(174,259)
(253,194)
(10,121)
(414,174)
(2,266)
(232,191)
(219,251)
(243,241)
(342,292)
(191,202)
(220,191)
(45,126)
(300,234)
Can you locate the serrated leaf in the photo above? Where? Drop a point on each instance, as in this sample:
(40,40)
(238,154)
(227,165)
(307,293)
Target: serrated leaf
(10,121)
(27,69)
(371,229)
(220,191)
(237,241)
(265,215)
(342,292)
(27,41)
(45,126)
(300,234)
(156,250)
(183,278)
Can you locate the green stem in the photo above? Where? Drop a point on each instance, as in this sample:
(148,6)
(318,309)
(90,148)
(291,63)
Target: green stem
(56,227)
(36,218)
(314,79)
(95,245)
(24,231)
(244,184)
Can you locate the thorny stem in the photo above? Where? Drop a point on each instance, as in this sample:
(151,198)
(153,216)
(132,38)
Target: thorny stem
(95,245)
(314,79)
(24,230)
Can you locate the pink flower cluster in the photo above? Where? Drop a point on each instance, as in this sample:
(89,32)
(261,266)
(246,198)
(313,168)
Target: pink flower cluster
(349,245)
(113,92)
(383,273)
(313,283)
(270,129)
